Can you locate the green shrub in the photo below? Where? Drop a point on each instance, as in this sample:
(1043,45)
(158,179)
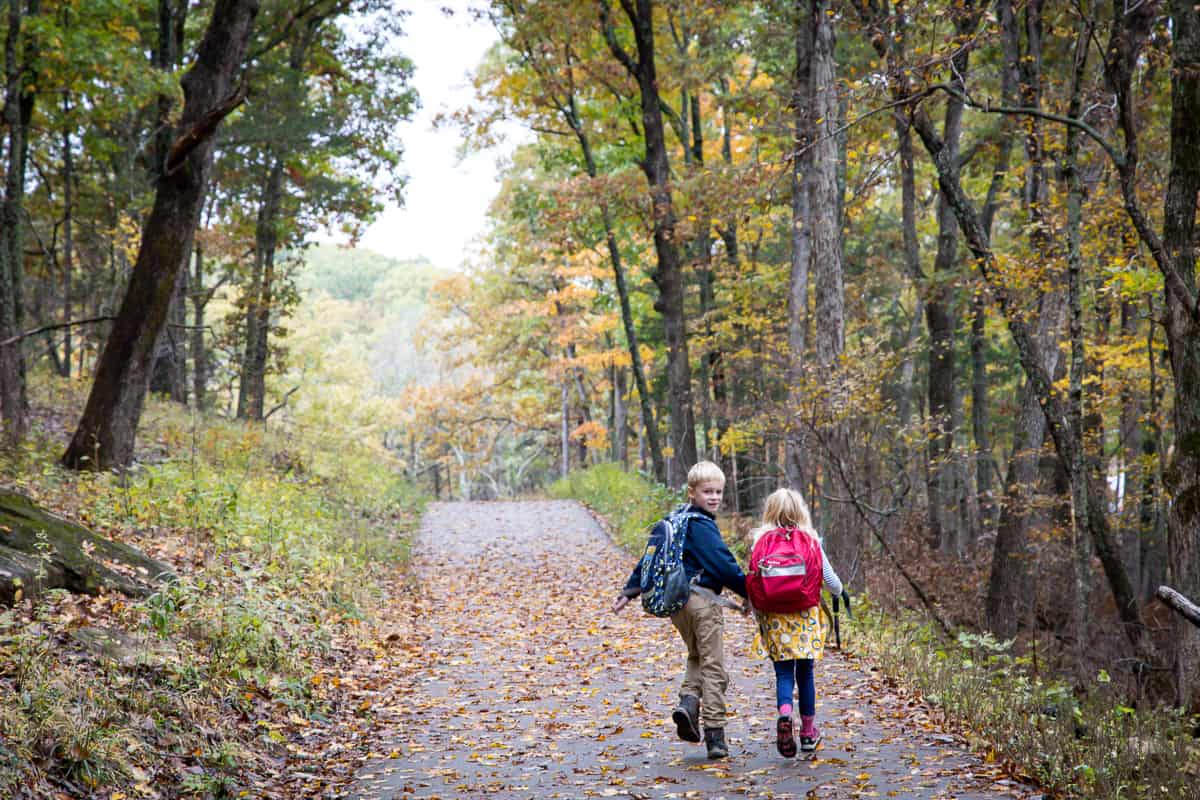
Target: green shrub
(1081,744)
(630,501)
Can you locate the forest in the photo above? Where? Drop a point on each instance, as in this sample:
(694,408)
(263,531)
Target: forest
(932,264)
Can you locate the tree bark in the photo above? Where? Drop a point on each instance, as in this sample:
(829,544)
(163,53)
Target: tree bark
(1183,335)
(942,323)
(668,276)
(106,433)
(979,412)
(252,387)
(68,261)
(168,374)
(1189,610)
(801,241)
(199,350)
(18,109)
(620,425)
(1009,587)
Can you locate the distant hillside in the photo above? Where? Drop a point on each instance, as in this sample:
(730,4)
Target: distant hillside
(352,274)
(359,314)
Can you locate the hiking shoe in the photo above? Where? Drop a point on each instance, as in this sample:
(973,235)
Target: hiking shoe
(714,739)
(809,742)
(687,718)
(785,738)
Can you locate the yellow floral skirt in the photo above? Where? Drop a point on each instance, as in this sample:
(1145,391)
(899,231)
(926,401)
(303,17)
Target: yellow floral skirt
(784,636)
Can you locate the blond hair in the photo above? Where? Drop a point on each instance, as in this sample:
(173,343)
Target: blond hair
(785,508)
(702,472)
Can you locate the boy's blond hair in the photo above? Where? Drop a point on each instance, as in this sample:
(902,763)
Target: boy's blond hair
(702,472)
(785,508)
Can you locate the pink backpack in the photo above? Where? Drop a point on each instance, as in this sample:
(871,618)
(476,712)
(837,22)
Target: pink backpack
(785,572)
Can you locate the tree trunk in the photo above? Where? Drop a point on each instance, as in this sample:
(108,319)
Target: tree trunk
(941,320)
(68,262)
(825,203)
(105,436)
(801,239)
(620,442)
(979,413)
(168,376)
(200,297)
(1183,336)
(912,247)
(650,431)
(564,432)
(668,276)
(18,109)
(252,388)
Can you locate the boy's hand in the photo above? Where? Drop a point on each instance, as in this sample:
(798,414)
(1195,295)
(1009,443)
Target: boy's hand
(620,603)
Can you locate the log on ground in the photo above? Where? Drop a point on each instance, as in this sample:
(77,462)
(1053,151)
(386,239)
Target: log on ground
(40,550)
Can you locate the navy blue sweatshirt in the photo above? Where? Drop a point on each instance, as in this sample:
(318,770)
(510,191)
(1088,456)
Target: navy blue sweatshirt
(704,554)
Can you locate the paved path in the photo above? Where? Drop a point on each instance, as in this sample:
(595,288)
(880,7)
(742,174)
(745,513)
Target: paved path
(528,687)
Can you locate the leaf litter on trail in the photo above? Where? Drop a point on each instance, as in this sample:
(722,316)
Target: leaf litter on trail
(513,680)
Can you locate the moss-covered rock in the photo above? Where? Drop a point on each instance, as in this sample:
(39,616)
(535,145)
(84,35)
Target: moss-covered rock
(39,551)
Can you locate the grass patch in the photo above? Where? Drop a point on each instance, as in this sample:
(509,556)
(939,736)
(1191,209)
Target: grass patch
(629,501)
(1076,744)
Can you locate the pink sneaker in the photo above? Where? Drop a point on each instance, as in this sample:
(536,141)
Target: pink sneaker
(810,737)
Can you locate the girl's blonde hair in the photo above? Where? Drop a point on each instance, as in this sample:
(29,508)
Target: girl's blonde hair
(785,508)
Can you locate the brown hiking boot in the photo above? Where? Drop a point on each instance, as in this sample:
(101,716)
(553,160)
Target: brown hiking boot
(714,739)
(687,718)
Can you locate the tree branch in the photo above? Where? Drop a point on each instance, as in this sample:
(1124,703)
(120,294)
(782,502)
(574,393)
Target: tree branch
(282,403)
(1177,601)
(610,36)
(189,140)
(57,326)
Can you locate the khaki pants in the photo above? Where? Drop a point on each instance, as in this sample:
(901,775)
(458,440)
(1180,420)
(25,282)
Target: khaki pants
(702,628)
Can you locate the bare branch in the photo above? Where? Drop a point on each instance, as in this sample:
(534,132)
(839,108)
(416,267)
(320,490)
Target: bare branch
(57,326)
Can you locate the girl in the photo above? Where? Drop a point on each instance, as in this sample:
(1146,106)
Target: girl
(792,639)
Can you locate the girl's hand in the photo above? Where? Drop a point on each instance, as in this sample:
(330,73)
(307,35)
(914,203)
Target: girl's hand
(620,603)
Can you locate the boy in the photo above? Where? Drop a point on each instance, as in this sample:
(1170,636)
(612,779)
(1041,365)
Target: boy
(711,567)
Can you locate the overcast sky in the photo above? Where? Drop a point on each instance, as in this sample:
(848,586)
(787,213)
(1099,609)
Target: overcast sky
(445,200)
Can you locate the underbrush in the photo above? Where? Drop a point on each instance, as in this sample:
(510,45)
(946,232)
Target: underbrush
(279,538)
(1084,744)
(629,501)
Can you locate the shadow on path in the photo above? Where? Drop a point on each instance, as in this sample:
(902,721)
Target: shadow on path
(524,685)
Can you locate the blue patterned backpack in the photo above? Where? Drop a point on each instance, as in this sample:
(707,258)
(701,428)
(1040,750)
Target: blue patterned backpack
(664,584)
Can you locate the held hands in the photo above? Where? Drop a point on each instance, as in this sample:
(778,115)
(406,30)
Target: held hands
(620,603)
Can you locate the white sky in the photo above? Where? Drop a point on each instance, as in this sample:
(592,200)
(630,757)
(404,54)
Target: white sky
(445,200)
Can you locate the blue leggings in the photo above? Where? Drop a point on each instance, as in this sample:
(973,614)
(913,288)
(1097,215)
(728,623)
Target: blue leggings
(787,674)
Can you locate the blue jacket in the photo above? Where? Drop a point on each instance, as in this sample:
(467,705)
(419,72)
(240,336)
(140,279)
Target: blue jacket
(704,554)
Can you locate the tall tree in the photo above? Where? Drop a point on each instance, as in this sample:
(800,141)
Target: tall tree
(802,175)
(19,54)
(105,435)
(1176,258)
(668,276)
